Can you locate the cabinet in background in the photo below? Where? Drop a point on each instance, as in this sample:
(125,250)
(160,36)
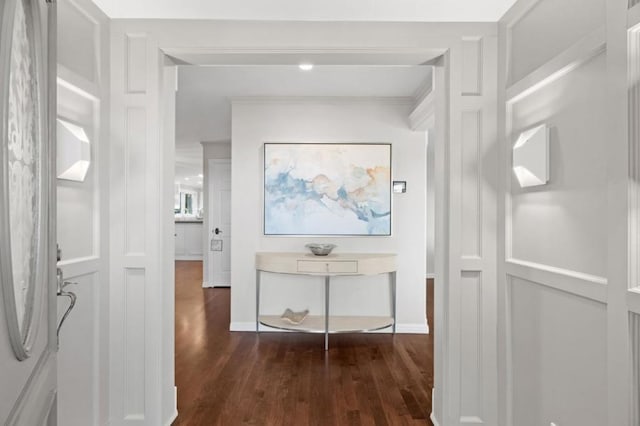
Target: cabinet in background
(188,236)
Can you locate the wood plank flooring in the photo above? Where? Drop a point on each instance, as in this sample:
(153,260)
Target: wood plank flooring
(226,378)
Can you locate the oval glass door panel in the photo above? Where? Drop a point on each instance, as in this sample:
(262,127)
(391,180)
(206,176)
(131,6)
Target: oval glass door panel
(23,167)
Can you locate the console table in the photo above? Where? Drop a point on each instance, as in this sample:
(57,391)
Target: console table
(328,266)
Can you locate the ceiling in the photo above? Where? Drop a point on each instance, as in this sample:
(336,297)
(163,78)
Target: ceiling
(203,109)
(203,106)
(307,10)
(203,100)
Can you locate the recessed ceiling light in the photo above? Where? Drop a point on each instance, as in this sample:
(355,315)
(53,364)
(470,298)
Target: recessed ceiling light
(306,66)
(200,175)
(186,178)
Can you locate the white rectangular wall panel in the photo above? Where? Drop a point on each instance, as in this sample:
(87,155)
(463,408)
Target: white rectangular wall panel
(634,339)
(633,55)
(136,76)
(471,184)
(560,224)
(544,32)
(76,202)
(134,350)
(78,40)
(471,323)
(559,362)
(472,64)
(135,179)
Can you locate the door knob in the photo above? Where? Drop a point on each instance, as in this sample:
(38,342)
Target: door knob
(217,231)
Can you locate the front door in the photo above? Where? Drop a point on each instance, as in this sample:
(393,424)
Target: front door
(28,343)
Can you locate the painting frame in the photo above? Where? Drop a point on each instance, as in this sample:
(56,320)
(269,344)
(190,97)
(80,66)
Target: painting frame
(355,195)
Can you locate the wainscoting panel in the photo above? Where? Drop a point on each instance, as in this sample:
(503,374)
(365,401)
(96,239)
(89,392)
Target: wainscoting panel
(472,64)
(79,38)
(547,20)
(633,57)
(559,369)
(135,180)
(136,232)
(134,325)
(634,337)
(472,184)
(136,63)
(471,324)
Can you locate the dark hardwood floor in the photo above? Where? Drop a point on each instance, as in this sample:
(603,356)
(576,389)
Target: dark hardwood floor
(226,378)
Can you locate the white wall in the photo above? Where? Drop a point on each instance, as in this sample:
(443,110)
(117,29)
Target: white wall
(555,251)
(259,121)
(431,210)
(82,219)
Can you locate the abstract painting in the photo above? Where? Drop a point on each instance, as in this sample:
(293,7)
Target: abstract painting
(327,189)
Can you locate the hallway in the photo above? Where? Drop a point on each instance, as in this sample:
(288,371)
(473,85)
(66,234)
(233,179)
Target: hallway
(226,378)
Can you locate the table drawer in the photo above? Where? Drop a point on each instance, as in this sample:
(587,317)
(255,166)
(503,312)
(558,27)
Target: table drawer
(331,267)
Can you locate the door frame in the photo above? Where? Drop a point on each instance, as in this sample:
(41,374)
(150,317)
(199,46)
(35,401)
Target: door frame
(465,59)
(434,119)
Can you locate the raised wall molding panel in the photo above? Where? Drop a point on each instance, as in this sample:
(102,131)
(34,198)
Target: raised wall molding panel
(472,66)
(634,329)
(633,15)
(633,58)
(555,287)
(136,253)
(557,67)
(473,160)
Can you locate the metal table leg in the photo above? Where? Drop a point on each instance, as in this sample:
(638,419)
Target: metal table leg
(392,285)
(257,300)
(326,313)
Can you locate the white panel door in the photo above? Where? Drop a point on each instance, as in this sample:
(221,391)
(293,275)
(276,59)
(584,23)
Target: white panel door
(28,344)
(220,235)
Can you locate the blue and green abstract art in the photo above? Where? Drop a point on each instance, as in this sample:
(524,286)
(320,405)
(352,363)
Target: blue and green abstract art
(327,189)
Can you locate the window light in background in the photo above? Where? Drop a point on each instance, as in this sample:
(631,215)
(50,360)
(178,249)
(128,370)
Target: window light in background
(74,151)
(531,157)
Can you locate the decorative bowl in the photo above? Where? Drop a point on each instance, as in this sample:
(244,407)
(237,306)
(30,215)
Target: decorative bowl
(320,249)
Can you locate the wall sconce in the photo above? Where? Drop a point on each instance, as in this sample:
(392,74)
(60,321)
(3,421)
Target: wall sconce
(74,151)
(531,157)
(399,186)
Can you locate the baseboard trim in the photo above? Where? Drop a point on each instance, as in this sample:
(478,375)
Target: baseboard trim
(188,258)
(430,276)
(207,284)
(174,415)
(433,419)
(412,329)
(400,328)
(172,419)
(432,416)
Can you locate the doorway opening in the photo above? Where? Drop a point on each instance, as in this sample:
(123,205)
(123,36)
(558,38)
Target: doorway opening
(397,88)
